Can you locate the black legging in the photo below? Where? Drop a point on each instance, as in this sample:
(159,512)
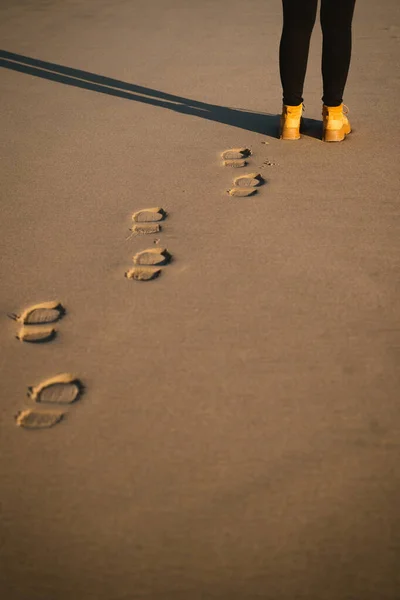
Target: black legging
(298,22)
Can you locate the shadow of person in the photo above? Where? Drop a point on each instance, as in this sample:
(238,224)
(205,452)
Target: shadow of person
(263,123)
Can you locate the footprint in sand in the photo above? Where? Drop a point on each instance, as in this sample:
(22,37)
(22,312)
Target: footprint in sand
(242,192)
(145,228)
(35,322)
(249,180)
(142,273)
(246,185)
(149,215)
(146,262)
(59,390)
(36,335)
(236,164)
(35,419)
(235,157)
(146,221)
(152,256)
(36,327)
(39,314)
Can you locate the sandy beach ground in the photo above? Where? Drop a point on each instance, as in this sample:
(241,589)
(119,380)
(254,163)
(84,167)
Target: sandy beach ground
(238,434)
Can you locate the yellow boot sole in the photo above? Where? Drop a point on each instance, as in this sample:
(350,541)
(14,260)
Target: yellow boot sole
(290,134)
(335,135)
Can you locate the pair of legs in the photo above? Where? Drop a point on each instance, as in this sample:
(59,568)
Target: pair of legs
(298,22)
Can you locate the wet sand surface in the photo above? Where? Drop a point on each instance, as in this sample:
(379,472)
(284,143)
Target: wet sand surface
(238,432)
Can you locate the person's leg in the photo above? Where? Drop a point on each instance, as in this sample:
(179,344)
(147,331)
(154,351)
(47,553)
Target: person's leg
(336,20)
(298,22)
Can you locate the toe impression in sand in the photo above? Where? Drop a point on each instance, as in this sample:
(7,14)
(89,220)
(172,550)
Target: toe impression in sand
(36,419)
(152,256)
(143,273)
(149,215)
(242,192)
(36,335)
(40,314)
(249,180)
(61,389)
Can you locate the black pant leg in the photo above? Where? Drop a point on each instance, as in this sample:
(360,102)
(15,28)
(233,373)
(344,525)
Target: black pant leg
(336,20)
(298,22)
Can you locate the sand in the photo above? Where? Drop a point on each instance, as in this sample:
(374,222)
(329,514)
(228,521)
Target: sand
(238,437)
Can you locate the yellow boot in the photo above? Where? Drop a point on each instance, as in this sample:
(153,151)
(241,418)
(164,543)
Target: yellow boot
(290,122)
(335,123)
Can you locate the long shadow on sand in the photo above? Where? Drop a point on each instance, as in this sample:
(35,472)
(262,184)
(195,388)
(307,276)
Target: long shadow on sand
(263,123)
